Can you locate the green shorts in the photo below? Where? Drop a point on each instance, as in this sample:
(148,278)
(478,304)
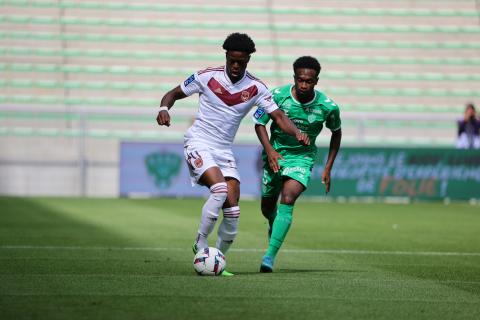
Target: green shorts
(294,168)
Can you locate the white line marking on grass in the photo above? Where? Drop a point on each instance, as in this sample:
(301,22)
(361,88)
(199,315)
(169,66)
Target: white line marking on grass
(309,251)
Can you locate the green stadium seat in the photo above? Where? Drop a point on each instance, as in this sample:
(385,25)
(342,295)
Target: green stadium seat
(418,59)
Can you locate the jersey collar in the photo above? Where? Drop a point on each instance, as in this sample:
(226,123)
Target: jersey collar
(225,74)
(302,104)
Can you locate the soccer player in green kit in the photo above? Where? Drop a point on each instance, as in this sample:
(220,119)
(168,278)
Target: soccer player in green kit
(287,163)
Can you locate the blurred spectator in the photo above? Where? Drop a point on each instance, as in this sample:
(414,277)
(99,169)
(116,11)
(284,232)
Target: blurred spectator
(469,129)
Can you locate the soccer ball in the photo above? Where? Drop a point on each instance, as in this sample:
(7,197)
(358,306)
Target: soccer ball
(209,262)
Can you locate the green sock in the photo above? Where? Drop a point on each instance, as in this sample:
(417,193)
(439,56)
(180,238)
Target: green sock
(281,225)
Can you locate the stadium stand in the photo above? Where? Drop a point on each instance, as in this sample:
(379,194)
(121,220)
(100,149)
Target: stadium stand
(84,75)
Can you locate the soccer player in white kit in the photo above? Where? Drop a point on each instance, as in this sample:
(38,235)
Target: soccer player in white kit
(226,95)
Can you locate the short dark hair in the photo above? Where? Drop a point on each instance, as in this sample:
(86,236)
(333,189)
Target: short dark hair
(239,42)
(307,62)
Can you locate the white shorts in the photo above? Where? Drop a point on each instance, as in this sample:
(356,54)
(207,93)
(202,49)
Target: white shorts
(201,157)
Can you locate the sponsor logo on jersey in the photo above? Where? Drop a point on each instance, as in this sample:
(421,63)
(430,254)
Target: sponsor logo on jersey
(259,113)
(297,169)
(245,96)
(189,80)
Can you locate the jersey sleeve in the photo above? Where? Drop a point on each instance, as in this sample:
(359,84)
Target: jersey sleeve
(265,100)
(333,119)
(260,116)
(191,85)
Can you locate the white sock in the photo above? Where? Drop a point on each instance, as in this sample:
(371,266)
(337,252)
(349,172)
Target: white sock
(228,228)
(218,195)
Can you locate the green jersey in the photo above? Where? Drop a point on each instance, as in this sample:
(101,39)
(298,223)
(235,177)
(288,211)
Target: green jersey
(309,118)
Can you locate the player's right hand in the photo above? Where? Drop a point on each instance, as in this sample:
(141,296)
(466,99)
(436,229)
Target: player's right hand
(326,180)
(163,118)
(303,138)
(273,157)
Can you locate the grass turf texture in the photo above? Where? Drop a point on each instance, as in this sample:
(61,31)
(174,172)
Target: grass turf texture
(131,259)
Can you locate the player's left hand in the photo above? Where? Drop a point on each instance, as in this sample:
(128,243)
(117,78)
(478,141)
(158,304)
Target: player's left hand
(326,180)
(303,138)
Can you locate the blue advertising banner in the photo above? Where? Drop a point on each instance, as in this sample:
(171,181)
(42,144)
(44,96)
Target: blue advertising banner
(159,169)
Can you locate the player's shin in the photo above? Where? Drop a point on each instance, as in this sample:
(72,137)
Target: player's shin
(270,215)
(210,210)
(228,228)
(281,226)
(269,212)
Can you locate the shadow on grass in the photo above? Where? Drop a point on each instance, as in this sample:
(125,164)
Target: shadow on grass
(37,222)
(55,258)
(85,230)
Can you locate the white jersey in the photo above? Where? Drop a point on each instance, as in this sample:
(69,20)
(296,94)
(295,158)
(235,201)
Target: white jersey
(223,104)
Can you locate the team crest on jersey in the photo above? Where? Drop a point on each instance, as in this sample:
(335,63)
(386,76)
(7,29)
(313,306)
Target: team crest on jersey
(198,162)
(245,96)
(311,118)
(259,113)
(189,80)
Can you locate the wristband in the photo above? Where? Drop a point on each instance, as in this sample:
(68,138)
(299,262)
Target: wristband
(163,108)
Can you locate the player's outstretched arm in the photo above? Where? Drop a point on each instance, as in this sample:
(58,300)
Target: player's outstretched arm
(287,126)
(163,117)
(335,141)
(272,154)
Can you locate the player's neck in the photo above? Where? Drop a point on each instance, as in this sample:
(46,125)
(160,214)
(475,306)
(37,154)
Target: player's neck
(235,79)
(303,99)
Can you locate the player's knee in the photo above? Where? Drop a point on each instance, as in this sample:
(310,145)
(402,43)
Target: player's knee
(218,191)
(233,196)
(231,201)
(289,199)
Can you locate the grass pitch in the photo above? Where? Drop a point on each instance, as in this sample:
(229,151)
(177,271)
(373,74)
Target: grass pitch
(131,259)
